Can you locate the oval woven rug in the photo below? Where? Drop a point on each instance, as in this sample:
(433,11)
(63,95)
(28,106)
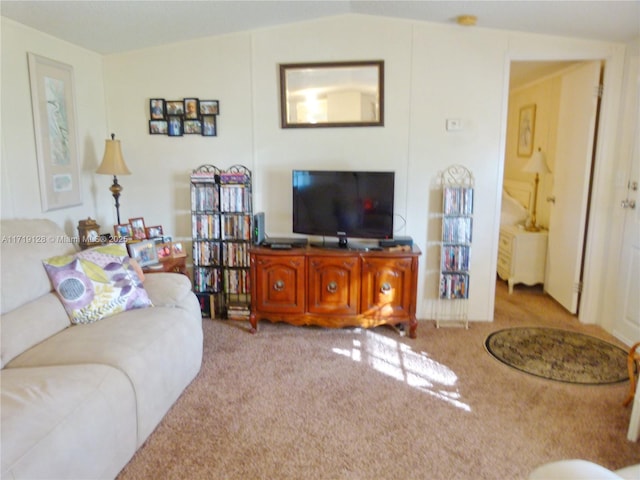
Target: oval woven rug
(559,355)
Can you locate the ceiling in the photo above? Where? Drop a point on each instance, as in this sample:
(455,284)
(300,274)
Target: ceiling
(115,26)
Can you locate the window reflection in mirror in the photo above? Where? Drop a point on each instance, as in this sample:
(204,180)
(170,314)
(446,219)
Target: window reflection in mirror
(341,94)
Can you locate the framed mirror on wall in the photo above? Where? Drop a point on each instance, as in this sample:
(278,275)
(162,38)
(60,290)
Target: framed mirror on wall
(332,94)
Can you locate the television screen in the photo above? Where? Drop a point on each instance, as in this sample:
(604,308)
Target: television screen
(343,204)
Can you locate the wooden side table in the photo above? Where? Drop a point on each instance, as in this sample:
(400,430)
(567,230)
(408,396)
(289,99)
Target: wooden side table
(171,264)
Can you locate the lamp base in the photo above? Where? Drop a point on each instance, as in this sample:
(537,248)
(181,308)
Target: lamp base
(116,188)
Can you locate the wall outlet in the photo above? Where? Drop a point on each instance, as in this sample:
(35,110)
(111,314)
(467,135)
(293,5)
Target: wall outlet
(454,124)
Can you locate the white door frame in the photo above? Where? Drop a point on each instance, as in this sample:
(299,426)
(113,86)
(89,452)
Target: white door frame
(597,295)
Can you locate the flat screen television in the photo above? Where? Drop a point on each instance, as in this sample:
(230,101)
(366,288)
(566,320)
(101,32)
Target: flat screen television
(343,204)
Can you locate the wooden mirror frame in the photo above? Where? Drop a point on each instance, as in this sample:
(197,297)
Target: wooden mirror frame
(318,81)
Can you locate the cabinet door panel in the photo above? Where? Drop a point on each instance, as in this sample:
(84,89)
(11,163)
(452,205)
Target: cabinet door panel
(333,285)
(387,287)
(280,284)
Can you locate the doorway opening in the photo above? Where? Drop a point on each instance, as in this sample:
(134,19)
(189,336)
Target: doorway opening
(557,104)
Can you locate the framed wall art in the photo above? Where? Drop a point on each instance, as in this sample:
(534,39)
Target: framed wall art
(175,126)
(192,127)
(190,108)
(54,122)
(158,127)
(209,107)
(526,130)
(156,108)
(189,116)
(209,125)
(175,107)
(345,94)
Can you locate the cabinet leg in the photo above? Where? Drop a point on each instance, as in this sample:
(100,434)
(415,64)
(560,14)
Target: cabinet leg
(413,327)
(510,282)
(254,323)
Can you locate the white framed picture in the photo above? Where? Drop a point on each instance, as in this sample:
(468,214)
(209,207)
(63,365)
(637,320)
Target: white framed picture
(54,123)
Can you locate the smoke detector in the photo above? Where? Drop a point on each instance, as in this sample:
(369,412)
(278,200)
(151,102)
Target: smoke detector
(467,20)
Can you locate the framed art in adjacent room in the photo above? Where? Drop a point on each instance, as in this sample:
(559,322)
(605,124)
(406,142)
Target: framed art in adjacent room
(54,122)
(526,130)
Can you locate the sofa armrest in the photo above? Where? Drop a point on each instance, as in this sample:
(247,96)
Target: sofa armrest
(167,289)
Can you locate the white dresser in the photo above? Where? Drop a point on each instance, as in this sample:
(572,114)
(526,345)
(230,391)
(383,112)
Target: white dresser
(522,256)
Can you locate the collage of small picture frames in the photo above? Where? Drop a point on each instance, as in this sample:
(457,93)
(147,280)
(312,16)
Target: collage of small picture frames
(190,116)
(148,245)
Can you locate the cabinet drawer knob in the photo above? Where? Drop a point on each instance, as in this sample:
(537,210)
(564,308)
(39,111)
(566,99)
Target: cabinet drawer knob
(278,286)
(385,287)
(332,287)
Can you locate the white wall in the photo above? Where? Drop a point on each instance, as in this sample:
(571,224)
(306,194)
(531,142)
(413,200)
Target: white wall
(432,72)
(20,188)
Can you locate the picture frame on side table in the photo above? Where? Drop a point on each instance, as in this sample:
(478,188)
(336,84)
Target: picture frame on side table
(138,231)
(177,250)
(164,250)
(123,230)
(143,252)
(154,232)
(54,121)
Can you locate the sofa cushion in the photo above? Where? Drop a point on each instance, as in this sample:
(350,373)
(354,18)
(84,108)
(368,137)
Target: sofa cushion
(96,283)
(30,324)
(24,244)
(140,343)
(74,421)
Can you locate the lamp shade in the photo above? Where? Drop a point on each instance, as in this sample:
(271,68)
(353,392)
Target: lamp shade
(112,161)
(537,163)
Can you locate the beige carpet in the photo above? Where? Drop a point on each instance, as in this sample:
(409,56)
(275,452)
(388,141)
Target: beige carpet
(309,403)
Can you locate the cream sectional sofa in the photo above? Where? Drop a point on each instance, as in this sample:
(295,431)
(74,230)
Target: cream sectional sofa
(79,400)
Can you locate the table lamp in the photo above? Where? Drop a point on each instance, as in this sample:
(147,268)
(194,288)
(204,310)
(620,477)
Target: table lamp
(537,165)
(113,164)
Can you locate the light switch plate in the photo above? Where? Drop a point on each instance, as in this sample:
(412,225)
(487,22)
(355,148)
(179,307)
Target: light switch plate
(454,124)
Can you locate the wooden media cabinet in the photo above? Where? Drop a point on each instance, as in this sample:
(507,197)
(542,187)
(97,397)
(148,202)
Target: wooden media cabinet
(335,287)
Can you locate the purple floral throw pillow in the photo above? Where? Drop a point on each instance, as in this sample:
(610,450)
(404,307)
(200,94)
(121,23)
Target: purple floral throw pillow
(96,283)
